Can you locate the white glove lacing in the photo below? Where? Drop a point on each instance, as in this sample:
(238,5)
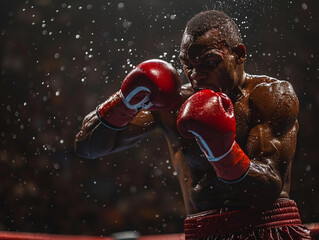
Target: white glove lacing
(143,104)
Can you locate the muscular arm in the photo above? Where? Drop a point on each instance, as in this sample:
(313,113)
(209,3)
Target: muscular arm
(271,142)
(95,139)
(153,85)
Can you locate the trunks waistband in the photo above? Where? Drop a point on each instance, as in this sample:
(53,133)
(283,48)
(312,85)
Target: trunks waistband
(282,213)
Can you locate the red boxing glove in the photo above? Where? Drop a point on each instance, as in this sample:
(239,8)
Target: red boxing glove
(209,117)
(152,85)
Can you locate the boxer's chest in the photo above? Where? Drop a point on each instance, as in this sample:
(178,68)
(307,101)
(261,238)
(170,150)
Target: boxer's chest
(243,123)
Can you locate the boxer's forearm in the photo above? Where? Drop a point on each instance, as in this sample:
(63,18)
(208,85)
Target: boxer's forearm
(94,139)
(263,183)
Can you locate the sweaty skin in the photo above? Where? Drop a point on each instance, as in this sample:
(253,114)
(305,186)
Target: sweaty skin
(266,112)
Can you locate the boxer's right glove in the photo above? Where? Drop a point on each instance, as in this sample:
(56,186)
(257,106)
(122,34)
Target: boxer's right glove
(209,117)
(152,85)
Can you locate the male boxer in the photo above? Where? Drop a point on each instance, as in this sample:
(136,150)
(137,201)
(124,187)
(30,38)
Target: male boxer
(231,135)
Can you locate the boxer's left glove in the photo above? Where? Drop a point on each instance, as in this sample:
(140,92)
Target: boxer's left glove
(209,117)
(152,85)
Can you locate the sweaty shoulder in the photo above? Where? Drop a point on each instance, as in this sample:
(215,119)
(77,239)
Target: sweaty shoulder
(274,101)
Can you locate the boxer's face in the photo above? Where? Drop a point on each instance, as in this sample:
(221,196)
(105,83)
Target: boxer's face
(209,62)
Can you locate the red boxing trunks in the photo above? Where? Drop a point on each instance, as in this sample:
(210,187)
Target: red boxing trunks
(282,221)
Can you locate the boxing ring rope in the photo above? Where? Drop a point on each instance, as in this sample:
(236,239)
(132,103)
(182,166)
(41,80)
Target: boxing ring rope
(313,227)
(42,236)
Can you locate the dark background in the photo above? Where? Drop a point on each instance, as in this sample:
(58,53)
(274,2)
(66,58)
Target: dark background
(59,59)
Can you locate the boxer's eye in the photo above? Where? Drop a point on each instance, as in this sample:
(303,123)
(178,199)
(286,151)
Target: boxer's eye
(210,63)
(211,60)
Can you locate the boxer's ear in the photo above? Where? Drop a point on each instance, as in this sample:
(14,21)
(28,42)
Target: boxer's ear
(240,52)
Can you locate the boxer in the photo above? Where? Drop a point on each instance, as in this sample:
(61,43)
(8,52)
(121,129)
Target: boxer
(231,135)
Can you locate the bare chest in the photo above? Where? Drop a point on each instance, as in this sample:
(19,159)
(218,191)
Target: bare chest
(243,123)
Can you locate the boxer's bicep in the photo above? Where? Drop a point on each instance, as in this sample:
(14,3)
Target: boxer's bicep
(273,139)
(270,154)
(272,149)
(261,142)
(263,151)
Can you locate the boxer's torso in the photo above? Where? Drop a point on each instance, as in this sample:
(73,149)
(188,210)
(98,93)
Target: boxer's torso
(201,188)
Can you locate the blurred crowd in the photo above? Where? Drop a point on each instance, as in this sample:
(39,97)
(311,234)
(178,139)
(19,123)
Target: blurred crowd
(59,60)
